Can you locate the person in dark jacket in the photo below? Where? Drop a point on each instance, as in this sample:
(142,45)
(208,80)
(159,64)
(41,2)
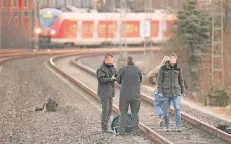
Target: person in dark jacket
(106,90)
(129,77)
(171,87)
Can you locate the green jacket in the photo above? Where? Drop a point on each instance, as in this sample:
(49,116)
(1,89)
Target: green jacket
(170,81)
(129,77)
(106,87)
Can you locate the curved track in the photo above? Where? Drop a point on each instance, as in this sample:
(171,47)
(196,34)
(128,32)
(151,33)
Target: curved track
(26,83)
(192,131)
(85,79)
(203,114)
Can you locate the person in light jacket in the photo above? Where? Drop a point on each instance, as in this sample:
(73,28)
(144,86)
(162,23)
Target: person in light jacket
(158,101)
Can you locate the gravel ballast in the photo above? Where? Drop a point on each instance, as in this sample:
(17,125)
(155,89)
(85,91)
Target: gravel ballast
(190,133)
(208,116)
(26,84)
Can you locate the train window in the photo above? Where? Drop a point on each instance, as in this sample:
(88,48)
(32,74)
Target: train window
(129,28)
(136,28)
(87,28)
(73,29)
(25,3)
(15,3)
(47,20)
(154,28)
(111,28)
(101,28)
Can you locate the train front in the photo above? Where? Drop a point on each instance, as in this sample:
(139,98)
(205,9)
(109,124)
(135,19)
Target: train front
(48,27)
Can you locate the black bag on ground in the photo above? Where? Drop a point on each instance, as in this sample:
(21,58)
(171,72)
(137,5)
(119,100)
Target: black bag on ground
(128,126)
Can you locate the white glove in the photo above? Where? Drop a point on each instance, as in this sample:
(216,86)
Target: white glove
(113,78)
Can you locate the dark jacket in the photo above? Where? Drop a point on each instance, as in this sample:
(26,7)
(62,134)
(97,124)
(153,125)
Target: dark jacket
(129,77)
(170,81)
(106,87)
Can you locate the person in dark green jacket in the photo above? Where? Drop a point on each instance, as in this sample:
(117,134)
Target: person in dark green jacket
(106,89)
(171,86)
(129,77)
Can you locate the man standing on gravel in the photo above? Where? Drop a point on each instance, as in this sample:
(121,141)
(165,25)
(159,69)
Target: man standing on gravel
(129,77)
(106,90)
(158,101)
(171,86)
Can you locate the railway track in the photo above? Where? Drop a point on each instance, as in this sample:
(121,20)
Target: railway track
(212,119)
(193,132)
(75,122)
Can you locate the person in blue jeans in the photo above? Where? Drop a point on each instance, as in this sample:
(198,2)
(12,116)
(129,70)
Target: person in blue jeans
(170,87)
(158,101)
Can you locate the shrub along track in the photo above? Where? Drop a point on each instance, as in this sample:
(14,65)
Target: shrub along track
(65,64)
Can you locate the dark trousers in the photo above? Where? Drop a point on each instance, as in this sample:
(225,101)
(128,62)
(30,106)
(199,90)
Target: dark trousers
(106,103)
(135,107)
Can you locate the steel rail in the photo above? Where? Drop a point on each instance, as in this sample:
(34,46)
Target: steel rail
(152,135)
(194,121)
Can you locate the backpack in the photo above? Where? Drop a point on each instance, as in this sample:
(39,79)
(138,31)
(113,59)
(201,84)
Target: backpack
(115,123)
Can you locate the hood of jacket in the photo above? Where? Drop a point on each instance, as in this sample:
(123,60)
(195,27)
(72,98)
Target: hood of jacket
(164,60)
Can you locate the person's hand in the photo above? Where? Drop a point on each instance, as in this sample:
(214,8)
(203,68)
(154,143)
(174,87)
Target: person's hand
(151,81)
(160,94)
(113,78)
(184,94)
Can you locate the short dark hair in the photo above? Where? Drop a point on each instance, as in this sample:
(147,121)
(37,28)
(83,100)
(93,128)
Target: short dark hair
(108,55)
(130,59)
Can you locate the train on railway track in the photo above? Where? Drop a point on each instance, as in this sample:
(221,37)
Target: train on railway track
(59,28)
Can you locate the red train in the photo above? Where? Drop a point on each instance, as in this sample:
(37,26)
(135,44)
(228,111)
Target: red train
(85,29)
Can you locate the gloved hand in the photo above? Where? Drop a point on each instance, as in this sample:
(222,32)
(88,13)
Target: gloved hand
(113,78)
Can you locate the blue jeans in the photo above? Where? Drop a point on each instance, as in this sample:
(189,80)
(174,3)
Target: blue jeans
(158,105)
(176,104)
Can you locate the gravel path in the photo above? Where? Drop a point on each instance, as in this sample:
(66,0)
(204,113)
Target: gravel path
(203,114)
(26,84)
(189,135)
